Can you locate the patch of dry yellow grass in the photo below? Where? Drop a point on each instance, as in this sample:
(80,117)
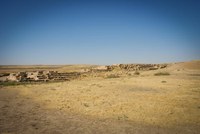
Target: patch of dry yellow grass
(175,102)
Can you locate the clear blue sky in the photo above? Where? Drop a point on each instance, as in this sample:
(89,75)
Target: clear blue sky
(99,32)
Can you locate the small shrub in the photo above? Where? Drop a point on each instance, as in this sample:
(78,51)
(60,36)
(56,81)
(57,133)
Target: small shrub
(112,76)
(164,81)
(86,105)
(161,73)
(137,73)
(129,74)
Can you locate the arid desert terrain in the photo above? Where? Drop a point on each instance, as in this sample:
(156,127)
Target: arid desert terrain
(162,101)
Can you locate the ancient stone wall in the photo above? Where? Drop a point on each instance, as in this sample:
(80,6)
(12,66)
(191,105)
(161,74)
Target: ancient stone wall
(39,76)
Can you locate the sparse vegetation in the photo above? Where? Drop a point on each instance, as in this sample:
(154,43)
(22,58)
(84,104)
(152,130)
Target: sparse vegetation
(10,83)
(194,74)
(14,83)
(86,105)
(161,73)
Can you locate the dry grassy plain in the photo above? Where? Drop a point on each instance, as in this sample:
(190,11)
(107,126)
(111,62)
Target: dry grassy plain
(130,104)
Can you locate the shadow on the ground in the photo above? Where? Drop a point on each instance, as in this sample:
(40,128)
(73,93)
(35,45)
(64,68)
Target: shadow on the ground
(23,115)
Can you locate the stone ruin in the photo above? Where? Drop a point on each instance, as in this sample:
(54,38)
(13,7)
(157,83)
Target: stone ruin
(44,76)
(130,67)
(38,76)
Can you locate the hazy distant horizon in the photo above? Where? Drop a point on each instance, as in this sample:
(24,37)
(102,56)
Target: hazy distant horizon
(95,64)
(63,32)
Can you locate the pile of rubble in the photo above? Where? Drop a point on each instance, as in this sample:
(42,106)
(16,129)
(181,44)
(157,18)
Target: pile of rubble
(38,76)
(130,67)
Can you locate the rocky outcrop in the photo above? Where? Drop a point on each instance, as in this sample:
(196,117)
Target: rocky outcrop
(99,69)
(130,67)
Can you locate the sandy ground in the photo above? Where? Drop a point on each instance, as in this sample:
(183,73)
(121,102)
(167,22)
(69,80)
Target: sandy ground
(144,104)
